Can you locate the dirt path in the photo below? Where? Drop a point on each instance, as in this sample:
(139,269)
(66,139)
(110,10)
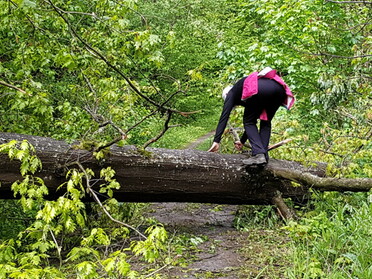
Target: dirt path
(198,141)
(217,248)
(221,251)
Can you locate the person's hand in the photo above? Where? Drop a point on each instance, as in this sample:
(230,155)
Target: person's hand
(238,145)
(215,147)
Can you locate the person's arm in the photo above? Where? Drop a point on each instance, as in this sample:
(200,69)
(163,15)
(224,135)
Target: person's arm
(232,99)
(227,107)
(225,114)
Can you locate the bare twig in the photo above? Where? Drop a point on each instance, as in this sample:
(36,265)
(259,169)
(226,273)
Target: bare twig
(276,145)
(91,88)
(233,132)
(368,137)
(102,121)
(166,127)
(141,121)
(271,147)
(58,247)
(156,271)
(236,136)
(327,54)
(81,13)
(121,137)
(362,25)
(353,117)
(340,56)
(117,139)
(331,153)
(284,211)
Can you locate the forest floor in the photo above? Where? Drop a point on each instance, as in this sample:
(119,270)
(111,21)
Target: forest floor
(220,250)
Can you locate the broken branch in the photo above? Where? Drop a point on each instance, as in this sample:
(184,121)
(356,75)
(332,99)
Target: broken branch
(14,87)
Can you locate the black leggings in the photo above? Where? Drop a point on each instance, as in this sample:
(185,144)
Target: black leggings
(269,97)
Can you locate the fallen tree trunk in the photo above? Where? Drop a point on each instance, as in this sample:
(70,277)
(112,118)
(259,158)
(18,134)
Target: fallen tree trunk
(164,175)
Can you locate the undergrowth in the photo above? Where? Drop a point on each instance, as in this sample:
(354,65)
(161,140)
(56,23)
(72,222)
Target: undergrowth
(332,239)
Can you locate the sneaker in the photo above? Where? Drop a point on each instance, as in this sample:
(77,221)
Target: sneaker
(258,159)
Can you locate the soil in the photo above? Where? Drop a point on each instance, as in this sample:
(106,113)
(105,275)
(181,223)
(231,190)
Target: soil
(220,250)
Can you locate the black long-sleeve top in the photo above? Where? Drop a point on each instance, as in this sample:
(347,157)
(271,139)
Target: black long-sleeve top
(233,99)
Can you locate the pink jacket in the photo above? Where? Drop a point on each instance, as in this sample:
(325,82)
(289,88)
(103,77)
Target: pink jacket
(250,88)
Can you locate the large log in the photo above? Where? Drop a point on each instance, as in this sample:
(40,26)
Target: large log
(176,175)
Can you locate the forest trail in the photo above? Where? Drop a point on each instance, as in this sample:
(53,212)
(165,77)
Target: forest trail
(198,141)
(221,251)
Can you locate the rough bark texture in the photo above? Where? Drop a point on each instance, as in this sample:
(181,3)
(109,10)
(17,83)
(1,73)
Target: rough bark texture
(176,175)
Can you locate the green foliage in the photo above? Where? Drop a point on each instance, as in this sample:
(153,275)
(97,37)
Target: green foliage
(62,230)
(60,79)
(153,245)
(256,216)
(331,239)
(315,43)
(54,84)
(25,153)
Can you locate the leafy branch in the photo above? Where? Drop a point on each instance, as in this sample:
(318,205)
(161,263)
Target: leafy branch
(96,52)
(103,121)
(95,197)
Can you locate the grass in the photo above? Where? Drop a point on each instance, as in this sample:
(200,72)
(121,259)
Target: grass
(266,253)
(179,137)
(334,239)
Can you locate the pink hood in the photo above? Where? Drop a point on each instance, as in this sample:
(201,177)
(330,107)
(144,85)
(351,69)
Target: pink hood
(250,88)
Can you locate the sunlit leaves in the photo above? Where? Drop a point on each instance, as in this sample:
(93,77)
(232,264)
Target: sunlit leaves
(49,64)
(86,269)
(54,222)
(23,152)
(153,245)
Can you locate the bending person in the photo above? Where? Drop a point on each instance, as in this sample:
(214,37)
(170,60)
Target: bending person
(261,94)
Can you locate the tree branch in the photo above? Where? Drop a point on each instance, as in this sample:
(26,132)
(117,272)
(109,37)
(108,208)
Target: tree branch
(324,183)
(117,139)
(349,2)
(285,212)
(95,197)
(14,87)
(338,56)
(108,63)
(166,127)
(58,247)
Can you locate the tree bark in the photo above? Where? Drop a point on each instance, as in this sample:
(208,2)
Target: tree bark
(164,175)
